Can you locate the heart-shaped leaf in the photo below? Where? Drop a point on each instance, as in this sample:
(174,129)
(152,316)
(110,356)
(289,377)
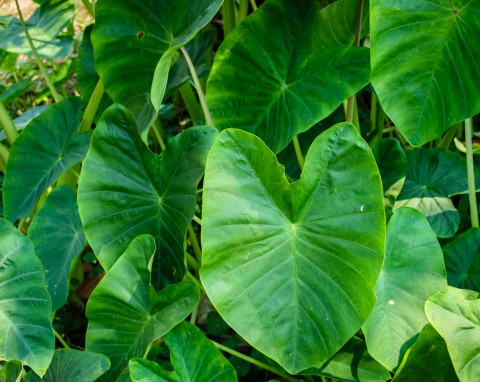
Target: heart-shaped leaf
(150,31)
(283,261)
(69,365)
(455,314)
(139,192)
(272,79)
(434,175)
(193,357)
(421,50)
(352,363)
(47,147)
(25,307)
(462,260)
(57,234)
(11,371)
(43,26)
(427,360)
(413,271)
(126,314)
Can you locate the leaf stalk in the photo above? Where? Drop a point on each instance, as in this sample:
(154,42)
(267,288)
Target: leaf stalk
(472,193)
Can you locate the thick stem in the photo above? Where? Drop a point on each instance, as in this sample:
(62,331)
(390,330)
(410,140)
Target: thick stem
(472,194)
(254,5)
(196,81)
(254,362)
(3,157)
(8,125)
(373,112)
(447,138)
(60,339)
(195,245)
(242,10)
(298,152)
(40,64)
(92,107)
(193,108)
(228,13)
(157,128)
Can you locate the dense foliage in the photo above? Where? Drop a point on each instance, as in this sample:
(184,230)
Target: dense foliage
(159,220)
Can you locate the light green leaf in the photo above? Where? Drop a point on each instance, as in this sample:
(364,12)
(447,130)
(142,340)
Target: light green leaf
(392,163)
(193,357)
(413,271)
(455,314)
(126,190)
(11,371)
(283,261)
(425,63)
(25,329)
(132,40)
(434,175)
(269,77)
(427,360)
(462,260)
(43,26)
(125,314)
(57,234)
(47,147)
(352,363)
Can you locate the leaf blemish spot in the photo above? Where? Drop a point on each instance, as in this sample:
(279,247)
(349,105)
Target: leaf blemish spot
(455,11)
(140,34)
(391,302)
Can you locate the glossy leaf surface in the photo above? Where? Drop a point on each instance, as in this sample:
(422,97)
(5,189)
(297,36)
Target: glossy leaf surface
(434,175)
(193,357)
(126,314)
(455,314)
(352,363)
(462,260)
(47,147)
(43,26)
(271,78)
(425,63)
(427,360)
(57,234)
(412,272)
(131,37)
(281,261)
(25,329)
(126,190)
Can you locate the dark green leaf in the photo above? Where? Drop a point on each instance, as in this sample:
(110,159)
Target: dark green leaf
(11,372)
(15,91)
(25,307)
(47,147)
(192,355)
(434,175)
(139,192)
(43,26)
(269,77)
(455,314)
(126,314)
(57,234)
(282,262)
(425,63)
(462,260)
(413,271)
(129,39)
(427,360)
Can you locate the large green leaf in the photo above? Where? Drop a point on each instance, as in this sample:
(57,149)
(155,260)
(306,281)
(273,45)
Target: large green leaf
(193,357)
(139,192)
(25,307)
(131,37)
(282,262)
(412,272)
(455,314)
(11,371)
(352,363)
(57,234)
(427,360)
(462,260)
(393,166)
(47,147)
(69,365)
(269,77)
(434,175)
(43,26)
(425,56)
(125,314)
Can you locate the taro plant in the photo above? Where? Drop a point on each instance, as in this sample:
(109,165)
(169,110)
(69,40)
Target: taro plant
(240,190)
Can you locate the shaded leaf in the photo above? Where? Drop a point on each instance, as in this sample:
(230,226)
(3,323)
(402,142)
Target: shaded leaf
(290,258)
